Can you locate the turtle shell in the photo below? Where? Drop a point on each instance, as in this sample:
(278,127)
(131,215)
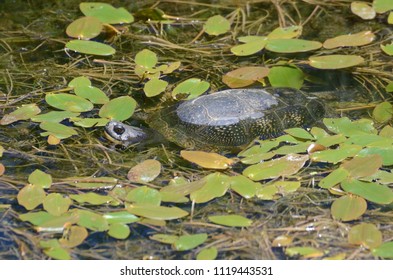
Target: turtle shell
(235,117)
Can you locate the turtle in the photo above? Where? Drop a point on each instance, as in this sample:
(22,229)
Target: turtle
(226,119)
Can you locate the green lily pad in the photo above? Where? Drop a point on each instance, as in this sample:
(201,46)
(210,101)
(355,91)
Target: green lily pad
(120,108)
(285,32)
(145,171)
(386,153)
(188,242)
(385,250)
(363,166)
(365,234)
(61,131)
(388,49)
(156,212)
(164,238)
(144,195)
(25,112)
(335,177)
(259,152)
(54,116)
(58,253)
(207,159)
(383,112)
(243,186)
(36,218)
(146,59)
(299,133)
(250,48)
(230,220)
(122,217)
(348,208)
(349,128)
(119,231)
(207,254)
(216,25)
(58,223)
(382,6)
(371,191)
(363,10)
(244,76)
(274,190)
(56,204)
(306,252)
(283,166)
(73,236)
(40,179)
(84,28)
(154,87)
(286,76)
(68,102)
(79,82)
(216,185)
(30,196)
(90,47)
(352,40)
(336,155)
(89,122)
(91,220)
(106,13)
(94,94)
(292,45)
(192,88)
(92,198)
(335,61)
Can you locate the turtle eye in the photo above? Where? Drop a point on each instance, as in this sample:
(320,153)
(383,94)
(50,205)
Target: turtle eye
(119,129)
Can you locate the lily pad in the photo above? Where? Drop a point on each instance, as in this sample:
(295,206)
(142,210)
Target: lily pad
(216,185)
(388,49)
(25,112)
(89,122)
(30,196)
(383,112)
(371,191)
(119,231)
(336,155)
(207,160)
(192,88)
(188,242)
(92,198)
(146,58)
(382,6)
(145,171)
(54,116)
(337,176)
(40,179)
(154,87)
(58,253)
(207,254)
(305,252)
(106,13)
(285,32)
(216,25)
(352,40)
(123,217)
(365,234)
(363,166)
(335,61)
(292,45)
(90,47)
(144,195)
(282,241)
(250,47)
(61,131)
(386,153)
(84,28)
(349,128)
(56,204)
(243,186)
(385,250)
(79,82)
(94,94)
(120,108)
(36,218)
(230,220)
(286,76)
(363,10)
(156,212)
(68,102)
(244,76)
(91,220)
(73,236)
(164,238)
(348,208)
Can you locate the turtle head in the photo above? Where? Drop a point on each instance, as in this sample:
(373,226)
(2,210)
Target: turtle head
(123,133)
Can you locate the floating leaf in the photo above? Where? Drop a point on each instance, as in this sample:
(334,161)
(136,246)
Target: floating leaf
(106,13)
(259,152)
(390,18)
(30,196)
(230,220)
(122,217)
(79,82)
(383,112)
(334,178)
(56,204)
(283,166)
(36,218)
(365,234)
(336,155)
(306,252)
(216,25)
(388,49)
(146,58)
(271,191)
(363,10)
(94,94)
(286,76)
(256,44)
(54,116)
(207,254)
(145,171)
(119,231)
(156,212)
(244,76)
(68,102)
(164,238)
(292,45)
(188,242)
(335,61)
(89,122)
(192,88)
(363,166)
(154,87)
(91,220)
(40,179)
(384,251)
(299,133)
(285,32)
(243,186)
(382,6)
(349,128)
(58,223)
(369,190)
(58,253)
(207,160)
(120,108)
(73,236)
(90,47)
(282,241)
(92,198)
(144,195)
(386,153)
(25,112)
(84,28)
(216,185)
(59,130)
(348,208)
(352,40)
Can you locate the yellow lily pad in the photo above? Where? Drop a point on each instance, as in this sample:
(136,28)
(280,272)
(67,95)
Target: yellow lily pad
(207,160)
